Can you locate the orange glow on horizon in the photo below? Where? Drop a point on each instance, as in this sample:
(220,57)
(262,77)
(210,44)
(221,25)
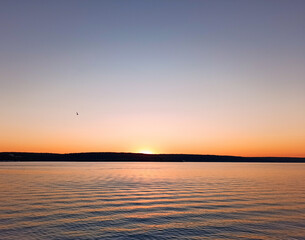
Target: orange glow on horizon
(170,135)
(241,150)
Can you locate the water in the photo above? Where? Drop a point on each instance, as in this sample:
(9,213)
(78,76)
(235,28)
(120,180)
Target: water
(152,201)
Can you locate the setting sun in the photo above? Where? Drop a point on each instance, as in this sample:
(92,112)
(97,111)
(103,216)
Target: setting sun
(146,152)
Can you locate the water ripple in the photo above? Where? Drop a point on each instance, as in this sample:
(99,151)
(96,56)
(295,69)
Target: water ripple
(151,201)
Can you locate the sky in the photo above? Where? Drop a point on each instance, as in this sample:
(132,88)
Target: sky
(162,76)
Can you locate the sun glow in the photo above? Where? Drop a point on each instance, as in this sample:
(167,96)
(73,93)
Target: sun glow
(146,152)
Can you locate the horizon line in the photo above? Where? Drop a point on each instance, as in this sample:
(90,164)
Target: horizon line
(138,153)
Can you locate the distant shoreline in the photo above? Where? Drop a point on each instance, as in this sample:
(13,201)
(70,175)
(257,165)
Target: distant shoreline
(136,157)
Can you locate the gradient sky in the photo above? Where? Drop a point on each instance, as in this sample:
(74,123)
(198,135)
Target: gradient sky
(168,76)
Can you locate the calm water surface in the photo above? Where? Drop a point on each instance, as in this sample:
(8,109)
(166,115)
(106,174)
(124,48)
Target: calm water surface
(152,201)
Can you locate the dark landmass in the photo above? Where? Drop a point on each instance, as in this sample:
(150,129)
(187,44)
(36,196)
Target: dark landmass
(134,157)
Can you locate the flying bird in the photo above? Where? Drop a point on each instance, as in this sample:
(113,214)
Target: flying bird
(76,113)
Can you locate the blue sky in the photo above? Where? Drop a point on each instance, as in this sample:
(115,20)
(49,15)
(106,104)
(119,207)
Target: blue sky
(223,77)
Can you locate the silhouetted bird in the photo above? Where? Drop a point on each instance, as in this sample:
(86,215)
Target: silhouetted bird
(76,113)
